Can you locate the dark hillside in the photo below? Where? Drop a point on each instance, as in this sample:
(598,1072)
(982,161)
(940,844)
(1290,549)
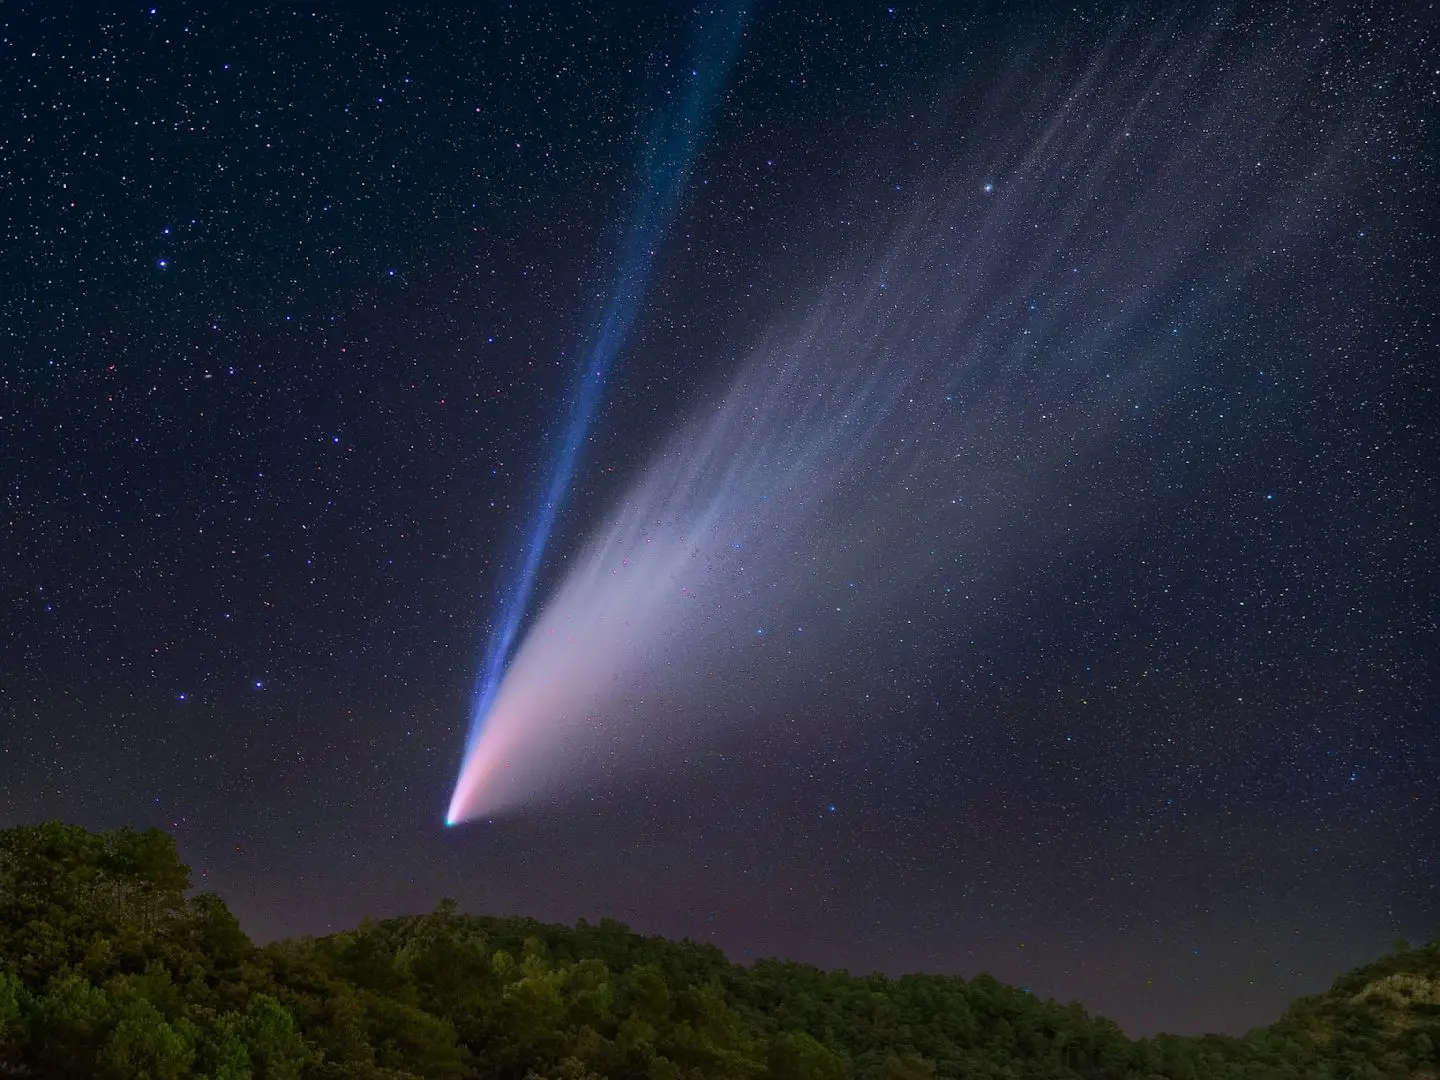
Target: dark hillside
(107,969)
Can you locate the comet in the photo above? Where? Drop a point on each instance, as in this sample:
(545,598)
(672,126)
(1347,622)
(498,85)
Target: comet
(916,433)
(669,156)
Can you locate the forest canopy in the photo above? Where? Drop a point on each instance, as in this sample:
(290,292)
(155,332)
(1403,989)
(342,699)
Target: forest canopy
(110,967)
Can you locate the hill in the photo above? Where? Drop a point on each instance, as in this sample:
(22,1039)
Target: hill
(108,969)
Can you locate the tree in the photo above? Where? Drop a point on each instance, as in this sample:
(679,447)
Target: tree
(69,1023)
(13,1002)
(144,1045)
(277,1049)
(220,1052)
(795,1055)
(70,898)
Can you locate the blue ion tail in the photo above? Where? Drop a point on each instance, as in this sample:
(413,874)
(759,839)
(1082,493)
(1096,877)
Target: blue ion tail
(669,156)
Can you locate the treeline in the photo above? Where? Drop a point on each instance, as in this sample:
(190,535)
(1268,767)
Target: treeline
(108,969)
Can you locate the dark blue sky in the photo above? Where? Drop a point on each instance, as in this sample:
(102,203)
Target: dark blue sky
(291,307)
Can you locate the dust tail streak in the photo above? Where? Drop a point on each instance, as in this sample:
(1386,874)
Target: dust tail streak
(931,418)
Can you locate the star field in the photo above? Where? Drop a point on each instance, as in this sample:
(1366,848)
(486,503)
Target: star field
(1101,657)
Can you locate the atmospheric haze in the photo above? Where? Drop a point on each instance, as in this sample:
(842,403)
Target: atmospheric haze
(931,415)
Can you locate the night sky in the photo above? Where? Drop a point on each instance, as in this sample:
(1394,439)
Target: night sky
(1056,392)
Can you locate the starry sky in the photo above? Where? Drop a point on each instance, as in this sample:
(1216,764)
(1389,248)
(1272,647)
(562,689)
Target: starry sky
(1065,378)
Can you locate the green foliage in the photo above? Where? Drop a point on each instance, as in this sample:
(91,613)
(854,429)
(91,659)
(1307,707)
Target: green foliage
(221,1053)
(107,970)
(97,902)
(14,1002)
(277,1049)
(794,1055)
(69,1022)
(143,1044)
